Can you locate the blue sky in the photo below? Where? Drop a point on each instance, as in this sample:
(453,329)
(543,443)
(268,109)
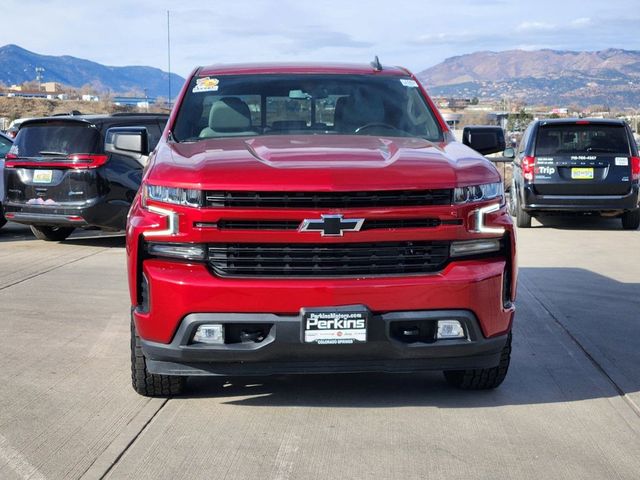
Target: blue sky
(416,34)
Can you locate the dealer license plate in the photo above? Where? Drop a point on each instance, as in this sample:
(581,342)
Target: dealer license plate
(582,173)
(42,176)
(335,327)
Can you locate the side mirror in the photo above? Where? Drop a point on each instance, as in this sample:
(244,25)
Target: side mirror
(132,142)
(509,153)
(484,139)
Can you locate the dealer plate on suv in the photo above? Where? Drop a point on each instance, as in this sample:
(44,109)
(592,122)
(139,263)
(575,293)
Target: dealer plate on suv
(337,326)
(42,176)
(582,173)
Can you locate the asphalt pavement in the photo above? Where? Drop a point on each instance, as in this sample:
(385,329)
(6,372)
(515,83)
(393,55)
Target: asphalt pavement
(569,408)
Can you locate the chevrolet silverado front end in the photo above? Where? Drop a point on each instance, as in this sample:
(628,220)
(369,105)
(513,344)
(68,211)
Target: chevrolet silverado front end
(305,218)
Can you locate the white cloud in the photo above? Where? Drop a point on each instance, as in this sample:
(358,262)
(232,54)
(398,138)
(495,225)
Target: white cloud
(581,22)
(534,26)
(404,32)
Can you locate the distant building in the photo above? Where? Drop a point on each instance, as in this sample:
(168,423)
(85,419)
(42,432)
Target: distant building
(45,87)
(133,101)
(452,119)
(27,93)
(452,103)
(51,87)
(559,111)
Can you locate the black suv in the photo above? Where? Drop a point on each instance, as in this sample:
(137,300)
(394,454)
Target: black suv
(586,166)
(64,173)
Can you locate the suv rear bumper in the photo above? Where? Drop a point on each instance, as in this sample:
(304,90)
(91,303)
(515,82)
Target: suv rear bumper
(580,203)
(107,215)
(57,220)
(283,352)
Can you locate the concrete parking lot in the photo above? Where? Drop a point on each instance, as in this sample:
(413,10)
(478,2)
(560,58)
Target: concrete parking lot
(569,408)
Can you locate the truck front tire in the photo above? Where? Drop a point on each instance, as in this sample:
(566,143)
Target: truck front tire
(150,384)
(481,378)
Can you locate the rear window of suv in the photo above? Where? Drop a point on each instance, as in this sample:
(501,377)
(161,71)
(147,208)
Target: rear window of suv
(57,138)
(571,139)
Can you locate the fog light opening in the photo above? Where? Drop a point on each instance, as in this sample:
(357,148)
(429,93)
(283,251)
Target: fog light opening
(474,247)
(212,334)
(450,329)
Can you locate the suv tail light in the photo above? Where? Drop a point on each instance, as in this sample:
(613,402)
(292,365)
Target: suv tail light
(635,168)
(527,167)
(73,160)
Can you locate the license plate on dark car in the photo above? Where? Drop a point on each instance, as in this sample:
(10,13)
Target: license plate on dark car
(42,176)
(582,173)
(335,327)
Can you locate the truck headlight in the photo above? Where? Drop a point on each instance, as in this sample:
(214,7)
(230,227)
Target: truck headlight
(478,193)
(177,196)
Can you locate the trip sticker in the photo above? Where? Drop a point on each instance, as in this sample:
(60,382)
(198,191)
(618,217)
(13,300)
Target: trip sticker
(206,84)
(545,170)
(407,82)
(622,161)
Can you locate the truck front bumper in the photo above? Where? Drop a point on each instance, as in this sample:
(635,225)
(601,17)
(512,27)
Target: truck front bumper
(282,351)
(182,296)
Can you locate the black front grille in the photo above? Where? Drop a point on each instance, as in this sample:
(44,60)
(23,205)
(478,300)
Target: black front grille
(327,260)
(258,224)
(396,198)
(295,224)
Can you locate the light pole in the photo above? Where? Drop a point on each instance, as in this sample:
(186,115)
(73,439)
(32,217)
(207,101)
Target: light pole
(39,76)
(169,52)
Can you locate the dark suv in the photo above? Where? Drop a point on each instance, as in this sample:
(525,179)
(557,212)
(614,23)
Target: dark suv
(63,173)
(585,166)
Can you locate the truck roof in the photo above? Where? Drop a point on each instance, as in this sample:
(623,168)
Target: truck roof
(298,68)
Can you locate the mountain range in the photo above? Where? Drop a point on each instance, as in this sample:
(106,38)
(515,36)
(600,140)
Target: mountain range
(609,78)
(541,77)
(18,65)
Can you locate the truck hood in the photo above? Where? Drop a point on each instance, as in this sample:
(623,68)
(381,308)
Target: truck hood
(319,163)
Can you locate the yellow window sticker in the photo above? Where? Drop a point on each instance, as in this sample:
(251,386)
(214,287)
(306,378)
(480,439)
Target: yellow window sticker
(206,84)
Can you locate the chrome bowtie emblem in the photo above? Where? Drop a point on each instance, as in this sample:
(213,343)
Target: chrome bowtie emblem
(331,225)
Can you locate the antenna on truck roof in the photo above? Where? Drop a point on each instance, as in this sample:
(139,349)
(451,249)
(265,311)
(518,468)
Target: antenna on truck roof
(377,66)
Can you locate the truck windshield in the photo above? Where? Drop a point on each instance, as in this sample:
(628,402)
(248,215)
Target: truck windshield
(571,139)
(252,105)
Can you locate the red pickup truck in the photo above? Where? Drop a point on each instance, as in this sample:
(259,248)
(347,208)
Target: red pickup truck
(302,218)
